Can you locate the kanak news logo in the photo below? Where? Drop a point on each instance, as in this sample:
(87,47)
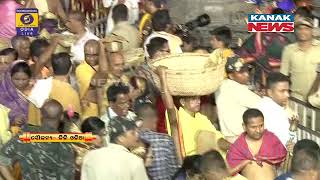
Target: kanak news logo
(27,22)
(270,23)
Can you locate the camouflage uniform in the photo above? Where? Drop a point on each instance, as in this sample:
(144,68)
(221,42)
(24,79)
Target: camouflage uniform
(40,161)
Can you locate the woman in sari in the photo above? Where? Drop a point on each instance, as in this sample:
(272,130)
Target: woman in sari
(15,88)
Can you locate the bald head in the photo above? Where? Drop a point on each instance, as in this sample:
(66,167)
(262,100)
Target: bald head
(117,63)
(91,44)
(78,16)
(52,110)
(91,52)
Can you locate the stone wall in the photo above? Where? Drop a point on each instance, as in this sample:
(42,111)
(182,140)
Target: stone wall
(231,13)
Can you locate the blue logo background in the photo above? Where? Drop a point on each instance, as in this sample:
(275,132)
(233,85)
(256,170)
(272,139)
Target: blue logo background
(27,19)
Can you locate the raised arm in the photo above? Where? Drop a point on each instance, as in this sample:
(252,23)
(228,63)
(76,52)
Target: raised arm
(166,96)
(100,79)
(103,60)
(172,114)
(316,84)
(46,56)
(60,12)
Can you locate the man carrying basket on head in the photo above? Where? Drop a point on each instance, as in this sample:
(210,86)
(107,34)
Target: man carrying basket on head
(189,128)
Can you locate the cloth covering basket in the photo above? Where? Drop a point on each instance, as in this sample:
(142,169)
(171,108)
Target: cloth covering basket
(190,74)
(133,57)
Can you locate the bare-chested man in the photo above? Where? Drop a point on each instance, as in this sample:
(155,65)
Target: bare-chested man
(85,73)
(257,152)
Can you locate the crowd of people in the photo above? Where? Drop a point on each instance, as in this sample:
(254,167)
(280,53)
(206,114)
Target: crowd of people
(71,81)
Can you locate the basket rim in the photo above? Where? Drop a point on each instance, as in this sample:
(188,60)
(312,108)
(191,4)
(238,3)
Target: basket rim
(189,71)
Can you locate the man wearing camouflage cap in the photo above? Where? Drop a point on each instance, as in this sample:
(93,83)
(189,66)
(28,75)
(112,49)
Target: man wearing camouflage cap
(234,97)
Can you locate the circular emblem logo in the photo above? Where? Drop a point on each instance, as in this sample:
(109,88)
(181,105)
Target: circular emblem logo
(26,19)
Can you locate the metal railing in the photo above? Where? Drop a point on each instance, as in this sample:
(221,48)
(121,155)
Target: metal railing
(309,116)
(96,14)
(309,120)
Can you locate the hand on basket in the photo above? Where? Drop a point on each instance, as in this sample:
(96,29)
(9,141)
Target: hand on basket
(161,70)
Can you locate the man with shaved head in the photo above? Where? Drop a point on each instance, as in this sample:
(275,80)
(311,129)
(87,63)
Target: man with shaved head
(85,73)
(54,161)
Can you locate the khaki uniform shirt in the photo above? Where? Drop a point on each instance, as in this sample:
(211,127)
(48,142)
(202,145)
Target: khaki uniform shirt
(300,65)
(128,32)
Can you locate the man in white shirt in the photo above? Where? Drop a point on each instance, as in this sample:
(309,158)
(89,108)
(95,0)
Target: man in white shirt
(76,24)
(233,98)
(162,27)
(115,161)
(273,106)
(133,8)
(119,103)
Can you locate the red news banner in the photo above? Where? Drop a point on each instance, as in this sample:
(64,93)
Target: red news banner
(29,137)
(270,23)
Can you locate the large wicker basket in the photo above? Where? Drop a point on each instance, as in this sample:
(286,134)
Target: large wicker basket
(190,74)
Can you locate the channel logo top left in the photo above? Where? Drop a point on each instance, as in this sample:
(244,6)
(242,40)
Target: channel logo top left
(27,22)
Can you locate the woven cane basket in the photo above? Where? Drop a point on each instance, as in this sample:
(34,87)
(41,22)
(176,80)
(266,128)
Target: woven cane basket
(190,74)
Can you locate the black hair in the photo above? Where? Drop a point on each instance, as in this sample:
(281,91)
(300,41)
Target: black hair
(190,164)
(212,160)
(139,109)
(159,3)
(305,160)
(303,12)
(8,51)
(79,16)
(120,13)
(160,20)
(116,89)
(251,113)
(276,77)
(92,124)
(155,45)
(305,144)
(224,34)
(21,67)
(16,39)
(37,47)
(61,63)
(278,11)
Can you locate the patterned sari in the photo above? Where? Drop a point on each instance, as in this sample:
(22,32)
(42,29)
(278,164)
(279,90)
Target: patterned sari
(12,98)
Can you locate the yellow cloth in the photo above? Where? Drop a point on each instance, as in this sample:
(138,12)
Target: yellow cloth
(84,74)
(301,66)
(42,6)
(62,92)
(221,55)
(91,110)
(34,115)
(66,95)
(5,133)
(145,18)
(190,126)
